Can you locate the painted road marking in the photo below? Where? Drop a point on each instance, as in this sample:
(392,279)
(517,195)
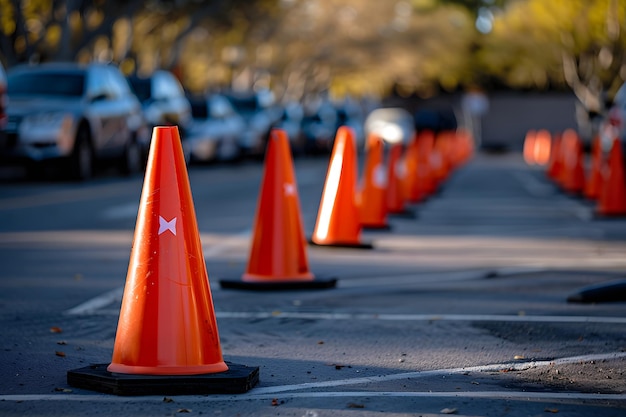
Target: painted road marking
(226,244)
(95,305)
(419,317)
(124,211)
(537,188)
(285,391)
(438,372)
(579,398)
(533,186)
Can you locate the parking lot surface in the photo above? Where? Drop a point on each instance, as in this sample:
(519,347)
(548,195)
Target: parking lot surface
(459,309)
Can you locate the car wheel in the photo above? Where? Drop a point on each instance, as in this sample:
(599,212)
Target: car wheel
(132,160)
(82,159)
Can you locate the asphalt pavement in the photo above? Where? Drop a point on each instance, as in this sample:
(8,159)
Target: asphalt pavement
(459,309)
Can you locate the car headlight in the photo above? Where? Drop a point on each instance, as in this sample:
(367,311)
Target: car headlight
(52,127)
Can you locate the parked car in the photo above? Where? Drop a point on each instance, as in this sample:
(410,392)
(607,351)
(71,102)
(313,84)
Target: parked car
(392,124)
(163,100)
(215,131)
(3,106)
(81,115)
(352,117)
(261,115)
(319,127)
(435,120)
(291,122)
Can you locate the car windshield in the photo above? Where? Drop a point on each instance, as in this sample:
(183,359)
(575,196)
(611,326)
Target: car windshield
(244,104)
(46,83)
(199,109)
(141,87)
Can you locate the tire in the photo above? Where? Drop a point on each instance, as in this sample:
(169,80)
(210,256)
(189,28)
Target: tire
(132,159)
(82,158)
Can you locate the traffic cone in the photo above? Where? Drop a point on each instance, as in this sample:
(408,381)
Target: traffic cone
(555,163)
(425,170)
(612,201)
(529,147)
(565,159)
(541,147)
(573,177)
(396,187)
(414,186)
(338,215)
(372,196)
(167,340)
(594,178)
(278,258)
(440,162)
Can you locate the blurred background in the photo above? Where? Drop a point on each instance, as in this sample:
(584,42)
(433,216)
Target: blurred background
(497,67)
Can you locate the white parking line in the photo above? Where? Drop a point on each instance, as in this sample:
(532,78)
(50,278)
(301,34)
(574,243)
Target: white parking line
(419,317)
(285,391)
(533,186)
(495,395)
(225,244)
(96,304)
(538,189)
(124,211)
(437,372)
(93,305)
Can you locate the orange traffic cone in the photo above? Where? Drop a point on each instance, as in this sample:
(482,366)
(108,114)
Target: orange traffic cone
(414,187)
(555,163)
(612,201)
(594,179)
(278,258)
(371,198)
(425,169)
(338,216)
(542,147)
(167,327)
(466,145)
(529,147)
(440,155)
(396,187)
(573,175)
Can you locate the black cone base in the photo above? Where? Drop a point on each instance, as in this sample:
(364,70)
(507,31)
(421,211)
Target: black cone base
(316,284)
(609,292)
(342,245)
(608,216)
(237,380)
(381,227)
(406,214)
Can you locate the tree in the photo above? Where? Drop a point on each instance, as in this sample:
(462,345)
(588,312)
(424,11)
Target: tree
(577,44)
